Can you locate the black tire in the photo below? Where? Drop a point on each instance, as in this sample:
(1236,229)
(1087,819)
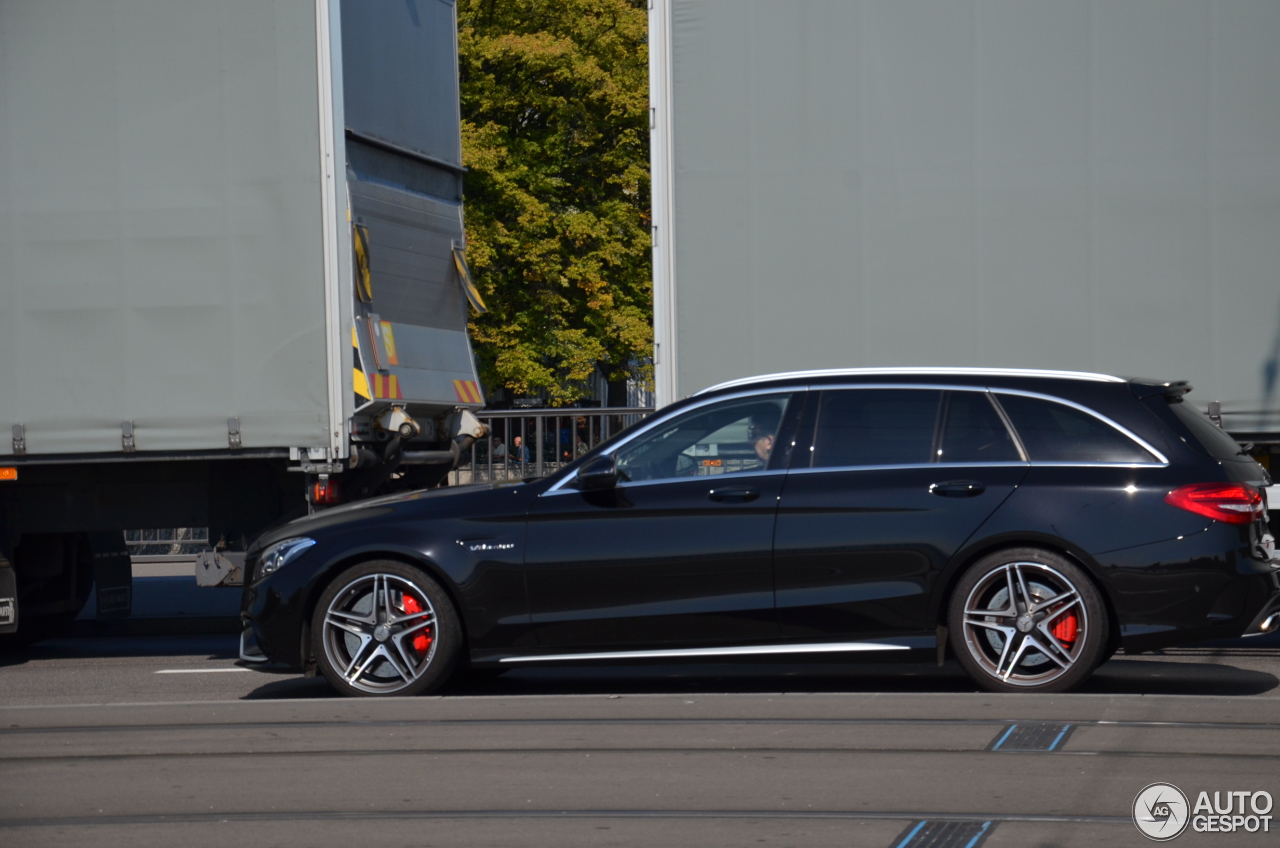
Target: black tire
(39,550)
(371,639)
(1050,639)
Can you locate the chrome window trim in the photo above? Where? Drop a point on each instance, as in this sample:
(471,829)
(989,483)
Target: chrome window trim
(1163,460)
(1009,428)
(710,478)
(991,392)
(936,387)
(657,420)
(735,650)
(1100,465)
(943,371)
(848,468)
(906,466)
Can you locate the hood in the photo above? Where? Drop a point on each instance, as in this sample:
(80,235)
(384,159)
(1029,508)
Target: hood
(373,508)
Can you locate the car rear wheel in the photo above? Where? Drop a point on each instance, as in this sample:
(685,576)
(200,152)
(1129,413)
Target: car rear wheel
(1028,620)
(385,628)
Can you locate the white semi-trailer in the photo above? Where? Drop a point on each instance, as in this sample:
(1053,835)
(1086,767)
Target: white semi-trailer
(1076,185)
(232,284)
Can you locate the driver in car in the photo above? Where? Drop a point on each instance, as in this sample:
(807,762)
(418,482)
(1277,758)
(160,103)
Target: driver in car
(760,432)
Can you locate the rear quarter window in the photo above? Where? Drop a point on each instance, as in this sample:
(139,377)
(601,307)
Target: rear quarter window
(1055,432)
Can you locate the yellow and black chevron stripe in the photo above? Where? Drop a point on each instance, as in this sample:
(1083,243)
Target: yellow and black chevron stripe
(358,379)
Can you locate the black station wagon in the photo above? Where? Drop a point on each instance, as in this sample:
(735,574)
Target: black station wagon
(1029,522)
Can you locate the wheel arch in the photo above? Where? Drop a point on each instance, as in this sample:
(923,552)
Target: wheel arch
(965,560)
(327,575)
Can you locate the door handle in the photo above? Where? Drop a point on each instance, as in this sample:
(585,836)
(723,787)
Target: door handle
(734,494)
(958,489)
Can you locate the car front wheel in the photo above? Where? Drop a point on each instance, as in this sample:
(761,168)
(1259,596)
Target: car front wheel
(385,628)
(1028,620)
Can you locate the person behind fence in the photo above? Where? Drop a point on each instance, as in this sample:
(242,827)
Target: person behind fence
(519,452)
(566,441)
(499,449)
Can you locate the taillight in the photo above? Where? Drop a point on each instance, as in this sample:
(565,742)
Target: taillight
(1231,503)
(326,492)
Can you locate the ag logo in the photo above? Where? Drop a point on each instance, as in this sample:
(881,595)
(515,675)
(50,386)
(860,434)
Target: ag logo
(1160,811)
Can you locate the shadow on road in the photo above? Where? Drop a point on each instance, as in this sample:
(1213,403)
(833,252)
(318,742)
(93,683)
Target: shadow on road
(1128,676)
(215,647)
(1230,669)
(1163,677)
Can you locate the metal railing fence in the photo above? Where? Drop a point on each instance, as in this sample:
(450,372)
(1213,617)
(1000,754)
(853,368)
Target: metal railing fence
(537,442)
(167,542)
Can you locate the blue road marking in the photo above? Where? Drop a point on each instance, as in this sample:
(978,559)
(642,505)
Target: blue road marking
(1065,728)
(911,835)
(996,747)
(978,835)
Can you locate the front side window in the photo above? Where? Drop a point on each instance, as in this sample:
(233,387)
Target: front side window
(723,438)
(860,427)
(1055,432)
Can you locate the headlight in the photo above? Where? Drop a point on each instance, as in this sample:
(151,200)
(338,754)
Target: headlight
(281,554)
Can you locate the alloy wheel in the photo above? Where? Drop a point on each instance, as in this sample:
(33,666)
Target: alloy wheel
(1025,624)
(380,633)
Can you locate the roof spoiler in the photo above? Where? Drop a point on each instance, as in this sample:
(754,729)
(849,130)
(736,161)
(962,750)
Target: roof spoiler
(1172,392)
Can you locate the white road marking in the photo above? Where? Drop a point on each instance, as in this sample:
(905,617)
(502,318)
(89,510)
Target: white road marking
(198,670)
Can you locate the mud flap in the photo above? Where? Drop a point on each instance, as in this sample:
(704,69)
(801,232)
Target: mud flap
(112,574)
(8,597)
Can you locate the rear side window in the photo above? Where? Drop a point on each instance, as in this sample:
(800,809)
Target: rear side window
(1055,432)
(973,432)
(875,427)
(1213,441)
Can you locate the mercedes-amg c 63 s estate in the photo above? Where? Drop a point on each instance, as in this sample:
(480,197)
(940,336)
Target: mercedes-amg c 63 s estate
(1029,523)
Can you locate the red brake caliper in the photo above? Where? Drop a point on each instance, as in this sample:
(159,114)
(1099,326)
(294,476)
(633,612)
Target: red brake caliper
(1066,628)
(423,640)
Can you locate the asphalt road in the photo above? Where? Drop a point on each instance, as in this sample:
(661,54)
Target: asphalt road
(163,741)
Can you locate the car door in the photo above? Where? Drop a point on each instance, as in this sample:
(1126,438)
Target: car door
(893,482)
(680,550)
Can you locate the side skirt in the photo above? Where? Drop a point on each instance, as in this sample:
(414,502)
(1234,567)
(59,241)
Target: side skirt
(734,651)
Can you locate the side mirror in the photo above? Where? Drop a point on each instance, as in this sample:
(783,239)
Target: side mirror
(599,473)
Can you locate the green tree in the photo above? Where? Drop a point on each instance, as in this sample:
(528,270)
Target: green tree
(555,134)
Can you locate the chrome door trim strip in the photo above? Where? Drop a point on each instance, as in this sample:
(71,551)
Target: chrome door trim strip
(735,651)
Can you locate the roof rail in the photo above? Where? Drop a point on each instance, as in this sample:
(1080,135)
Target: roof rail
(945,371)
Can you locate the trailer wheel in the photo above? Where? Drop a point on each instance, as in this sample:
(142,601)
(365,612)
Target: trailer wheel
(54,573)
(385,628)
